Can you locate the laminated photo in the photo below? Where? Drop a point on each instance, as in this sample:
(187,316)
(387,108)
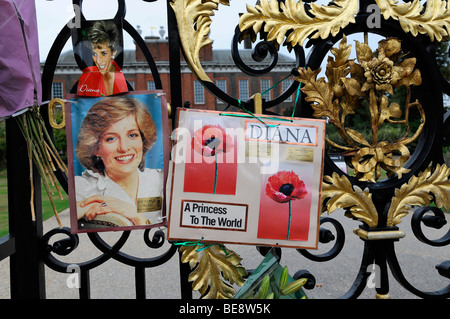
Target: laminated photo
(98,50)
(117,150)
(241,179)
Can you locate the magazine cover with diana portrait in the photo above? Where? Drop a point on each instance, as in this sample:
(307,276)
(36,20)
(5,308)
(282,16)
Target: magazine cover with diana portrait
(117,147)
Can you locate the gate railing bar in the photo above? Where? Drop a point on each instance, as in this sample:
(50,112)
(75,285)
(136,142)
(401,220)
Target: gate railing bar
(26,267)
(85,285)
(175,63)
(7,246)
(139,278)
(176,102)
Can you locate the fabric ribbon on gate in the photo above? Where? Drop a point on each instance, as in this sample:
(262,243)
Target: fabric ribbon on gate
(20,81)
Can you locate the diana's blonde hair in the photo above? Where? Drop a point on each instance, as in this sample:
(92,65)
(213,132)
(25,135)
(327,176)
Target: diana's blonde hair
(100,117)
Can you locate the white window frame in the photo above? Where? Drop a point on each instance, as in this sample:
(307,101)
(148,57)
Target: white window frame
(222,85)
(151,85)
(199,93)
(244,93)
(60,88)
(265,84)
(284,86)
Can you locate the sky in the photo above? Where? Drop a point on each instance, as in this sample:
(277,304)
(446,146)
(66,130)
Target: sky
(150,16)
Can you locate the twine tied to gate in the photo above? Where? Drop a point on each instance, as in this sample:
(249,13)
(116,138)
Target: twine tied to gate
(257,99)
(199,243)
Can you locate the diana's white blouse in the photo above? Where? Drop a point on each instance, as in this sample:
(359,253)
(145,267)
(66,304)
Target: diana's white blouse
(150,192)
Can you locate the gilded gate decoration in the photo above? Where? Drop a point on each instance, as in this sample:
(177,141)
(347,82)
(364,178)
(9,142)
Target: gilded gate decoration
(368,82)
(387,178)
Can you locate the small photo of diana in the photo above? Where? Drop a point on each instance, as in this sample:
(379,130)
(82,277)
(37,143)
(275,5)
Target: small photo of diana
(98,50)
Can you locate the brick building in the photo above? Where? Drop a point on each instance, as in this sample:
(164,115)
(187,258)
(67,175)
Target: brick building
(218,64)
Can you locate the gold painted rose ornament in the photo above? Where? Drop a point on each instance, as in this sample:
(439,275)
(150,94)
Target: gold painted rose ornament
(368,80)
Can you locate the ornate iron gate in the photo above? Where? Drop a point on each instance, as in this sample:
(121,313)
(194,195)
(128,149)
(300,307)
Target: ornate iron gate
(405,58)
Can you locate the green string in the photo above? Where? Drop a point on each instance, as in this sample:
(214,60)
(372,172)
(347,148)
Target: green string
(199,243)
(275,85)
(250,114)
(296,98)
(210,245)
(190,243)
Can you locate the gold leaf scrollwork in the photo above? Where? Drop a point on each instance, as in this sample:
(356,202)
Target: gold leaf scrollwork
(323,21)
(212,266)
(430,185)
(193,20)
(421,190)
(291,22)
(277,19)
(432,20)
(338,192)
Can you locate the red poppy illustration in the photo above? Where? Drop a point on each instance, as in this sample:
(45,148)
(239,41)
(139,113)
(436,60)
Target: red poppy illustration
(211,140)
(283,187)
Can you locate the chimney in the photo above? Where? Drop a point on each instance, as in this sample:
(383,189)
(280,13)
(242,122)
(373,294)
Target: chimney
(159,48)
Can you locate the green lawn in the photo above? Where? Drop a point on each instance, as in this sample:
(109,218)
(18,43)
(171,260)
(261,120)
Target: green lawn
(47,209)
(3,205)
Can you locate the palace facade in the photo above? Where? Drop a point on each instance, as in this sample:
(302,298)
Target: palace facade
(218,64)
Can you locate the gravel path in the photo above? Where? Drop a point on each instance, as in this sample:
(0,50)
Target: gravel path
(114,280)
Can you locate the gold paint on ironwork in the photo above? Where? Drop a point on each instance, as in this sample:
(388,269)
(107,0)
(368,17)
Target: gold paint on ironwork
(212,267)
(432,19)
(193,19)
(52,114)
(338,192)
(379,235)
(169,110)
(372,80)
(383,296)
(430,185)
(291,20)
(257,100)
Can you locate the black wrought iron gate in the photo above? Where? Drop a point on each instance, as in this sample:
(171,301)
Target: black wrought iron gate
(421,178)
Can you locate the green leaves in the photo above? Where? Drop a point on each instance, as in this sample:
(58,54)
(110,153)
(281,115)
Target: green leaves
(263,291)
(284,277)
(293,287)
(284,288)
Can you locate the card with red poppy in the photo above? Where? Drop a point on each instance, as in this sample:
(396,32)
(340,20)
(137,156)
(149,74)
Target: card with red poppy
(245,180)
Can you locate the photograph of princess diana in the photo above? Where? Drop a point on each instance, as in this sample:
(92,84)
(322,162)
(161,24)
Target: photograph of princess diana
(118,157)
(98,49)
